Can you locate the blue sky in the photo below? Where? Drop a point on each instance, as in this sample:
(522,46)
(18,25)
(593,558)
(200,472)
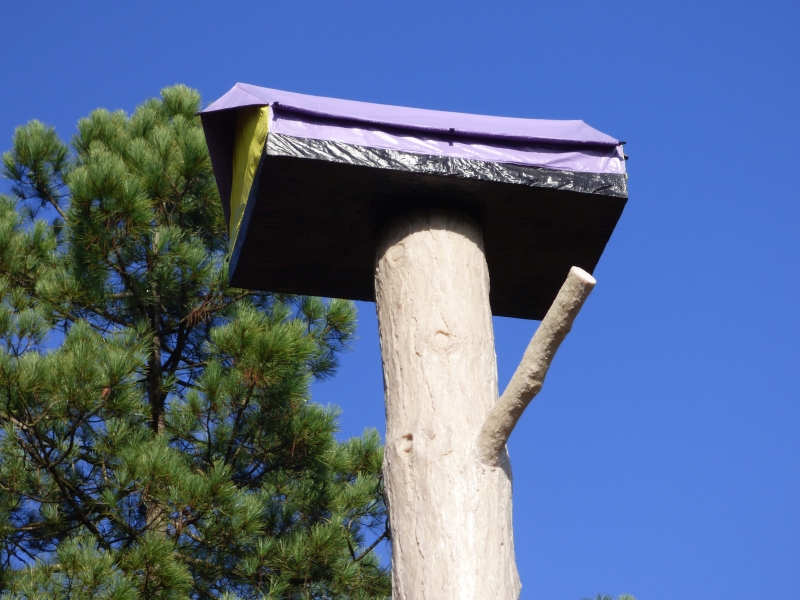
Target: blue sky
(663,456)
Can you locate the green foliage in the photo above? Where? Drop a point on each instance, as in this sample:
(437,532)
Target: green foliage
(158,439)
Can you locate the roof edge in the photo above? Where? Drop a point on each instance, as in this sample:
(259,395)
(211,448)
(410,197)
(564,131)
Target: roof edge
(561,132)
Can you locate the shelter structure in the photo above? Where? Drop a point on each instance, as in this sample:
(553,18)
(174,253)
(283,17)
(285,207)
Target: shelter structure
(416,209)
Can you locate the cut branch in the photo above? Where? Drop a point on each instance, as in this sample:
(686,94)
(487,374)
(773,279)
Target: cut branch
(530,374)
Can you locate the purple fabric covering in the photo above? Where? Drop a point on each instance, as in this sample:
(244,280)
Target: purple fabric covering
(558,145)
(499,128)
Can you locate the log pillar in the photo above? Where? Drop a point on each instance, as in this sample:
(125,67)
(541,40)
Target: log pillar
(450,513)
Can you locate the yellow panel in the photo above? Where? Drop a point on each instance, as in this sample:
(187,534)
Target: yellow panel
(251,132)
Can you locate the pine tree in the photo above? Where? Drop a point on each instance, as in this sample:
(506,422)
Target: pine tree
(158,437)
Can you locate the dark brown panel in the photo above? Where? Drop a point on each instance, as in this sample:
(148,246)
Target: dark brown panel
(311,226)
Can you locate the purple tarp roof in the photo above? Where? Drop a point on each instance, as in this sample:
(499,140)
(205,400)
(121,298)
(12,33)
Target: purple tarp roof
(499,128)
(548,193)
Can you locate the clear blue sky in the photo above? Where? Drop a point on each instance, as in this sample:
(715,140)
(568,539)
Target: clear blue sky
(663,456)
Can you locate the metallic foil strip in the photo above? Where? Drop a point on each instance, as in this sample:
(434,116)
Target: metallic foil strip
(604,184)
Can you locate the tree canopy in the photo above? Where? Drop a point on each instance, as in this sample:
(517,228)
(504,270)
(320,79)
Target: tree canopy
(158,438)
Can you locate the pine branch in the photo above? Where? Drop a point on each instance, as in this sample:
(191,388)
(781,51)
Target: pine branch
(372,546)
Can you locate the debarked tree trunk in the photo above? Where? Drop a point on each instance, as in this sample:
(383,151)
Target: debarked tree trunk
(450,513)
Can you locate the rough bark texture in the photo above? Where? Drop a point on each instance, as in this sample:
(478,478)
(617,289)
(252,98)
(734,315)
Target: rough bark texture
(529,376)
(450,514)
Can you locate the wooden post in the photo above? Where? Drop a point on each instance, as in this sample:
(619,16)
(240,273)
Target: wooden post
(450,513)
(446,467)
